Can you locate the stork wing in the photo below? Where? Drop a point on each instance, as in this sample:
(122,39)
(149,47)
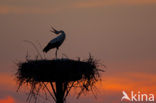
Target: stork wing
(54,40)
(54,43)
(51,46)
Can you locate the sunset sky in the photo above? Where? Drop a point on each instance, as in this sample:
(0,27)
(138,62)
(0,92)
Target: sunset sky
(119,33)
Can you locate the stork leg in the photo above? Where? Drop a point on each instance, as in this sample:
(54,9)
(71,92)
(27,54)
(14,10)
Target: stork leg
(56,53)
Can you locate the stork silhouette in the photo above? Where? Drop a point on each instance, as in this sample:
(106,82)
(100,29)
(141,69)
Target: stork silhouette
(56,42)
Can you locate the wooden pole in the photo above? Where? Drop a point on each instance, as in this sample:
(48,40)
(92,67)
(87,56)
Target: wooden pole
(59,92)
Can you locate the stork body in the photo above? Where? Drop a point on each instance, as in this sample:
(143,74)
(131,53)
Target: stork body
(56,42)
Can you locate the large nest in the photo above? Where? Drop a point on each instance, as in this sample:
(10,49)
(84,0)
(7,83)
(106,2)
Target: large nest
(85,73)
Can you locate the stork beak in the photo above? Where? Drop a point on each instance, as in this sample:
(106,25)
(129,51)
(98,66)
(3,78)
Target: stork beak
(54,30)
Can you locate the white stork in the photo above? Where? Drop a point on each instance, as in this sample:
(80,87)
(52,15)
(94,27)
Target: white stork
(56,42)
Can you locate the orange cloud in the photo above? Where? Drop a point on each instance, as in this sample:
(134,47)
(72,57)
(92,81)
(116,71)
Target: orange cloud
(7,100)
(129,81)
(7,81)
(102,3)
(113,85)
(110,86)
(42,8)
(7,9)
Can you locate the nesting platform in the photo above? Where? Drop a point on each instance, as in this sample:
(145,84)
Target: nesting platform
(55,70)
(62,72)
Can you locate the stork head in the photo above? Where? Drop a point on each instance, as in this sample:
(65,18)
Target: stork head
(54,30)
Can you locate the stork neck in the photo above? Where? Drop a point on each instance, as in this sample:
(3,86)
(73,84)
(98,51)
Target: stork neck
(62,32)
